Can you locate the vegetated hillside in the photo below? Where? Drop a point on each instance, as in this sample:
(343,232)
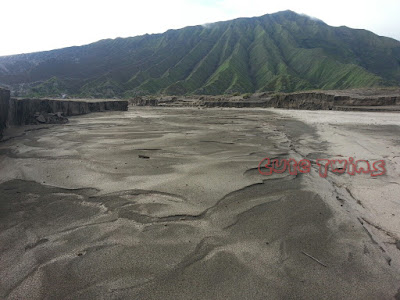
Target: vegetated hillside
(284,51)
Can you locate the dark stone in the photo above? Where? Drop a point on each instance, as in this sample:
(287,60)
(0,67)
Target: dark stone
(41,119)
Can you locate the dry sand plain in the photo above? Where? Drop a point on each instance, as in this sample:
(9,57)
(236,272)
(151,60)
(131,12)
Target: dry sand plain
(82,216)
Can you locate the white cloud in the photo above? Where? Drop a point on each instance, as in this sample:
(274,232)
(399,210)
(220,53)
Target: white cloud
(43,24)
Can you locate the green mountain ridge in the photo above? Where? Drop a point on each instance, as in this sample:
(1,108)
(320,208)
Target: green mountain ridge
(284,52)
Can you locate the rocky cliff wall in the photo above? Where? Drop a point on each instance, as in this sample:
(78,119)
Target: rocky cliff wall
(325,101)
(304,101)
(4,108)
(330,100)
(237,104)
(138,101)
(22,111)
(17,112)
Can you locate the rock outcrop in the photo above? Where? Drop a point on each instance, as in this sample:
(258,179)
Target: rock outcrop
(331,101)
(139,101)
(17,112)
(361,100)
(23,111)
(4,107)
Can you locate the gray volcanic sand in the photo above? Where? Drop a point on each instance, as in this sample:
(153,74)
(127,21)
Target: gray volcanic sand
(82,216)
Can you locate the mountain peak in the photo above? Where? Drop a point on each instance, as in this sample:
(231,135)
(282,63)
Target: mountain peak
(282,51)
(285,12)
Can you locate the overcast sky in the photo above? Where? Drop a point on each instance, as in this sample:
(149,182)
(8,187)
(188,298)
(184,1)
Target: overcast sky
(36,25)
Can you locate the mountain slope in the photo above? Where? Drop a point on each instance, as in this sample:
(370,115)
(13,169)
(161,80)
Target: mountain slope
(277,52)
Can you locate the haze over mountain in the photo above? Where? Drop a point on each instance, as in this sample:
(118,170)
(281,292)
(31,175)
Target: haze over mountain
(284,51)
